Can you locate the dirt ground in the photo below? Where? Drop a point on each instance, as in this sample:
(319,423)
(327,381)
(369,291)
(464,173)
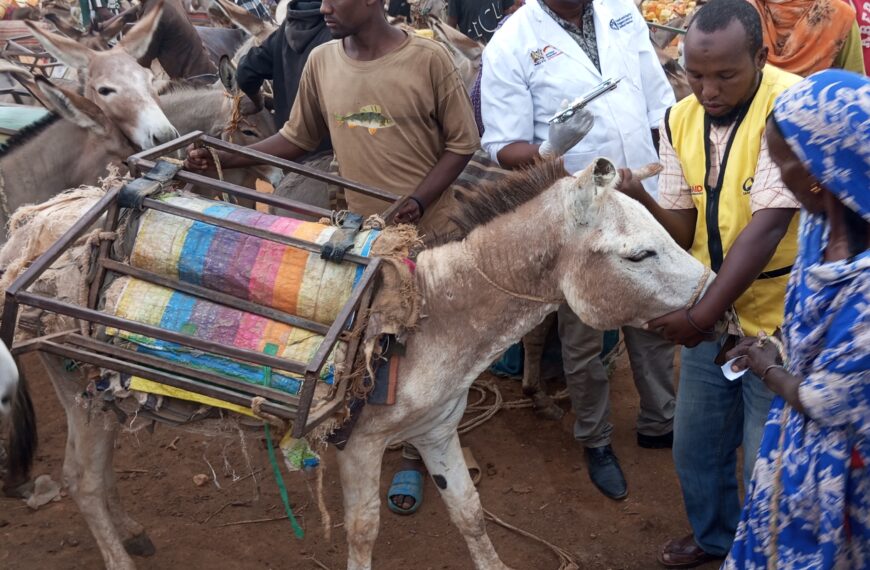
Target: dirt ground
(534,478)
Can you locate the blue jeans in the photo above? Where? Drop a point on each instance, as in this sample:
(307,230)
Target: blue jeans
(713,418)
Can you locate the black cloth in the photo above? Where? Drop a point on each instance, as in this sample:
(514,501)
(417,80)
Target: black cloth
(478,19)
(399,8)
(282,57)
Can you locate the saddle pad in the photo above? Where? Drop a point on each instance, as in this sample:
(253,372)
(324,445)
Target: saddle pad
(293,280)
(172,310)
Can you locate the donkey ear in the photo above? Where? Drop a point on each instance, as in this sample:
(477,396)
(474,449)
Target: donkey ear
(63,49)
(589,184)
(604,175)
(227,72)
(245,20)
(138,39)
(72,107)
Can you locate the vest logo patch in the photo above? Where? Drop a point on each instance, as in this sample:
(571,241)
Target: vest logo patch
(747,184)
(621,22)
(696,190)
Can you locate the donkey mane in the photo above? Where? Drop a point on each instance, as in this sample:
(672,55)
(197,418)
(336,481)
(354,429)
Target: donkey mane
(27,133)
(490,200)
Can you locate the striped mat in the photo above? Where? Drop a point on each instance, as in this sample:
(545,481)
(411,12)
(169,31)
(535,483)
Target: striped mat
(250,268)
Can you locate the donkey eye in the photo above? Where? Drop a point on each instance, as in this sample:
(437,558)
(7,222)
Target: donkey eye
(637,256)
(104,91)
(249,133)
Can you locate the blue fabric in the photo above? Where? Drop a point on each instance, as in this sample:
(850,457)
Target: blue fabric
(826,121)
(822,512)
(714,417)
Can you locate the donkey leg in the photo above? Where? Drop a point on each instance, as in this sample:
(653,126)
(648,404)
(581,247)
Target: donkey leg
(533,348)
(447,467)
(89,447)
(360,469)
(136,540)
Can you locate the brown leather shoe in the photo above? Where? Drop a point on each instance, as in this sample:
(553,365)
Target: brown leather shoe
(684,553)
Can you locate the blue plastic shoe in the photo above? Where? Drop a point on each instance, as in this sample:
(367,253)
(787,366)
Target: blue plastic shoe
(408,483)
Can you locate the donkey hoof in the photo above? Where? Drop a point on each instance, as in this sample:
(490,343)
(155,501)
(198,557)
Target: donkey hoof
(550,412)
(140,545)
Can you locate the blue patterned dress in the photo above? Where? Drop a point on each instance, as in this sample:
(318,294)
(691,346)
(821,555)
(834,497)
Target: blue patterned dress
(820,514)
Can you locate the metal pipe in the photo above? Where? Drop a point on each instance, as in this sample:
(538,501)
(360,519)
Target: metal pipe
(240,191)
(256,358)
(163,378)
(666,28)
(162,364)
(241,228)
(301,169)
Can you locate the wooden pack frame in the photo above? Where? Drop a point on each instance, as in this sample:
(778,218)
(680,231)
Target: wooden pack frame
(85,348)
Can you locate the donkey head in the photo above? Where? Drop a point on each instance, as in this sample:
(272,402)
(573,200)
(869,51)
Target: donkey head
(112,80)
(79,110)
(618,265)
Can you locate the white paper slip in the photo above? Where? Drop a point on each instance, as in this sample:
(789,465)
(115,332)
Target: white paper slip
(730,374)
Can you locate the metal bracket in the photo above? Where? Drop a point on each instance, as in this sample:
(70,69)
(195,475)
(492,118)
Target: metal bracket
(343,239)
(134,193)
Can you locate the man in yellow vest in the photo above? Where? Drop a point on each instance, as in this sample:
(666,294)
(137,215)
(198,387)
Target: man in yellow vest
(721,197)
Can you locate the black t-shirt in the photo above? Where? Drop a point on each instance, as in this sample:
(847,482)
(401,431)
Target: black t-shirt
(478,19)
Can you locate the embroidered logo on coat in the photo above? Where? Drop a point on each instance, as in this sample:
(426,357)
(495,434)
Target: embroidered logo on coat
(621,22)
(695,190)
(537,56)
(747,185)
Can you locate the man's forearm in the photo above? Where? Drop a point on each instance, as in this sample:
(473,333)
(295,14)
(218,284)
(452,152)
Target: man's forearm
(518,154)
(746,259)
(442,175)
(276,145)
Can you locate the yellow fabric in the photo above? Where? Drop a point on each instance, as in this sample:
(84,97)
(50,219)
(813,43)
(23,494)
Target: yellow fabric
(851,57)
(761,305)
(144,385)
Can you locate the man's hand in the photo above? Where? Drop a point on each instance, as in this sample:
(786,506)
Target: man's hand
(678,328)
(198,159)
(409,212)
(629,185)
(565,135)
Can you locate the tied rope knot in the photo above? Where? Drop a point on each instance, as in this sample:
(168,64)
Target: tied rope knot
(257,409)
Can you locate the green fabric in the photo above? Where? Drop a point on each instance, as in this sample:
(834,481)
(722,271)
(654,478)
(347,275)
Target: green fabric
(851,57)
(276,470)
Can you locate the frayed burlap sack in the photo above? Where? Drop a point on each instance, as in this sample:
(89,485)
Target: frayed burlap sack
(396,305)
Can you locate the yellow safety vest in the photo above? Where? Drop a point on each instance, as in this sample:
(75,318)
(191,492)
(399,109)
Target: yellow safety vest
(724,209)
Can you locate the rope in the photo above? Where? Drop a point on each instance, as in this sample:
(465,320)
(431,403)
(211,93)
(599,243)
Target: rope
(508,292)
(566,561)
(297,530)
(257,409)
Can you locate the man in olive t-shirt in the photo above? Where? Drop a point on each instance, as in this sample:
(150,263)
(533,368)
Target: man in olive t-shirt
(394,106)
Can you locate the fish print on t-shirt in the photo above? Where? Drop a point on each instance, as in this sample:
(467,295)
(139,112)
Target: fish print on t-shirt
(370,117)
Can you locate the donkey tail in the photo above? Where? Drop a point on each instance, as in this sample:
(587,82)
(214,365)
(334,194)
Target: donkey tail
(23,439)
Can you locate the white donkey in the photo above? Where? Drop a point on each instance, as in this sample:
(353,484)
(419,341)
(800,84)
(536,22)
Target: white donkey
(537,239)
(8,381)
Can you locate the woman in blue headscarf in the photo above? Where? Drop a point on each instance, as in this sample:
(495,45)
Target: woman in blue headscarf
(808,506)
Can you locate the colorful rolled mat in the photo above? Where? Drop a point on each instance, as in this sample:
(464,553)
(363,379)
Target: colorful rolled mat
(251,268)
(172,310)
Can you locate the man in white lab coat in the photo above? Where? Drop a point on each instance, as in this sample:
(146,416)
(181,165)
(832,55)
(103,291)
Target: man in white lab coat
(548,52)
